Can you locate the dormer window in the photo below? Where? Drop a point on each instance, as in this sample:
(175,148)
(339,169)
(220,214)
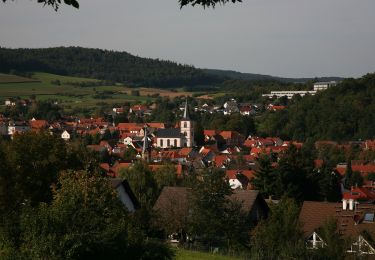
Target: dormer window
(369,217)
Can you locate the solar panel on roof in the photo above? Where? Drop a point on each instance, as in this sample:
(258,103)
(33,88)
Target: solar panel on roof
(369,217)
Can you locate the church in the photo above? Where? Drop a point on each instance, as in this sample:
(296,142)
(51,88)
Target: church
(177,137)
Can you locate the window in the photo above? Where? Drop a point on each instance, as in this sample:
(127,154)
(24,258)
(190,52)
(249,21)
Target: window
(369,217)
(314,241)
(175,142)
(161,142)
(185,134)
(168,142)
(185,124)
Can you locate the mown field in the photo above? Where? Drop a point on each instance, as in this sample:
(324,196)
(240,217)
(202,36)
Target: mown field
(182,254)
(71,96)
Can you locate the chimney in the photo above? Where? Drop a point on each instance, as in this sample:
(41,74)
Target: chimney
(351,204)
(344,204)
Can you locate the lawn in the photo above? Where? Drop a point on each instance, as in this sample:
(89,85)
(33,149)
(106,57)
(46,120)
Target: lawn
(182,254)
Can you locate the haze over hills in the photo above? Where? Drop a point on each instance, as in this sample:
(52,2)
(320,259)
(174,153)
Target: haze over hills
(122,67)
(260,77)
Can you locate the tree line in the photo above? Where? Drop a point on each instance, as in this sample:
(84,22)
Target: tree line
(344,112)
(111,66)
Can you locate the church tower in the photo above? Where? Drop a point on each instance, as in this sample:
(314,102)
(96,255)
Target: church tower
(187,127)
(146,151)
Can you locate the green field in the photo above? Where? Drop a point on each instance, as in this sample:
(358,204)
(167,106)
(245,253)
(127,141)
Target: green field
(7,78)
(182,254)
(67,95)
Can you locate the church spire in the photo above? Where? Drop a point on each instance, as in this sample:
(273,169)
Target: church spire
(145,150)
(186,110)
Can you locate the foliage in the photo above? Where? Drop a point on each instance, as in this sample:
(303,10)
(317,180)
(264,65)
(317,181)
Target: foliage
(335,246)
(265,178)
(143,183)
(84,220)
(166,175)
(206,3)
(280,236)
(215,220)
(343,112)
(56,3)
(104,65)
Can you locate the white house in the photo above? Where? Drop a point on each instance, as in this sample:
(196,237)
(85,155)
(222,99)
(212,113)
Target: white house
(65,135)
(17,127)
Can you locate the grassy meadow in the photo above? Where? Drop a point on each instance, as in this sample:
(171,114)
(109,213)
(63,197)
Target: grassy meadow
(75,97)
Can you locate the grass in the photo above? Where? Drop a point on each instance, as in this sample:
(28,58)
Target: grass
(182,254)
(72,97)
(7,78)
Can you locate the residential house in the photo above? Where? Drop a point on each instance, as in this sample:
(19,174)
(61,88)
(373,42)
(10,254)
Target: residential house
(172,206)
(66,135)
(231,107)
(17,127)
(355,222)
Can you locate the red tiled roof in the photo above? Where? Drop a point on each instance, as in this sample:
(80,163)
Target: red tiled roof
(185,151)
(220,160)
(359,193)
(156,125)
(38,124)
(210,132)
(232,174)
(125,126)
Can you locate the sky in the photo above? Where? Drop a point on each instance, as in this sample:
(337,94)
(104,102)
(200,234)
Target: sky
(288,38)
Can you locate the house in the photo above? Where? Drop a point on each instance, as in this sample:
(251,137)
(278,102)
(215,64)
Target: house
(172,206)
(118,110)
(17,127)
(231,107)
(65,135)
(275,108)
(138,109)
(232,138)
(38,124)
(240,179)
(355,222)
(124,193)
(247,110)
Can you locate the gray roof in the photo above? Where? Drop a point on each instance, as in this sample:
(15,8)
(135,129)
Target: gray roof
(169,133)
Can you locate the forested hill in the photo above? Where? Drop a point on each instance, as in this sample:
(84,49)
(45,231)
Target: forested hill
(107,65)
(122,67)
(260,77)
(341,113)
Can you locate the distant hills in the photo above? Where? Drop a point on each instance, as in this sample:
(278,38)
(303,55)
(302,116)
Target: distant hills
(259,77)
(122,67)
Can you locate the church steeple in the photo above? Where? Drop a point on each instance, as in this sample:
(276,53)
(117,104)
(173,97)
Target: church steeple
(186,111)
(187,127)
(145,147)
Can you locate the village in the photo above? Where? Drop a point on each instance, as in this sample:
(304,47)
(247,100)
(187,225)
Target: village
(120,146)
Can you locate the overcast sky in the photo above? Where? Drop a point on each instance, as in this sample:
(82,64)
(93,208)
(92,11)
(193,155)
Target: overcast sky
(290,38)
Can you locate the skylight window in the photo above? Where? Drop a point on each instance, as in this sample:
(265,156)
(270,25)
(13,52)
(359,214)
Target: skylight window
(369,217)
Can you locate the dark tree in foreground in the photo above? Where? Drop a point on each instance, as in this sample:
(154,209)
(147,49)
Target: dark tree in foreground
(280,236)
(205,3)
(215,219)
(56,3)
